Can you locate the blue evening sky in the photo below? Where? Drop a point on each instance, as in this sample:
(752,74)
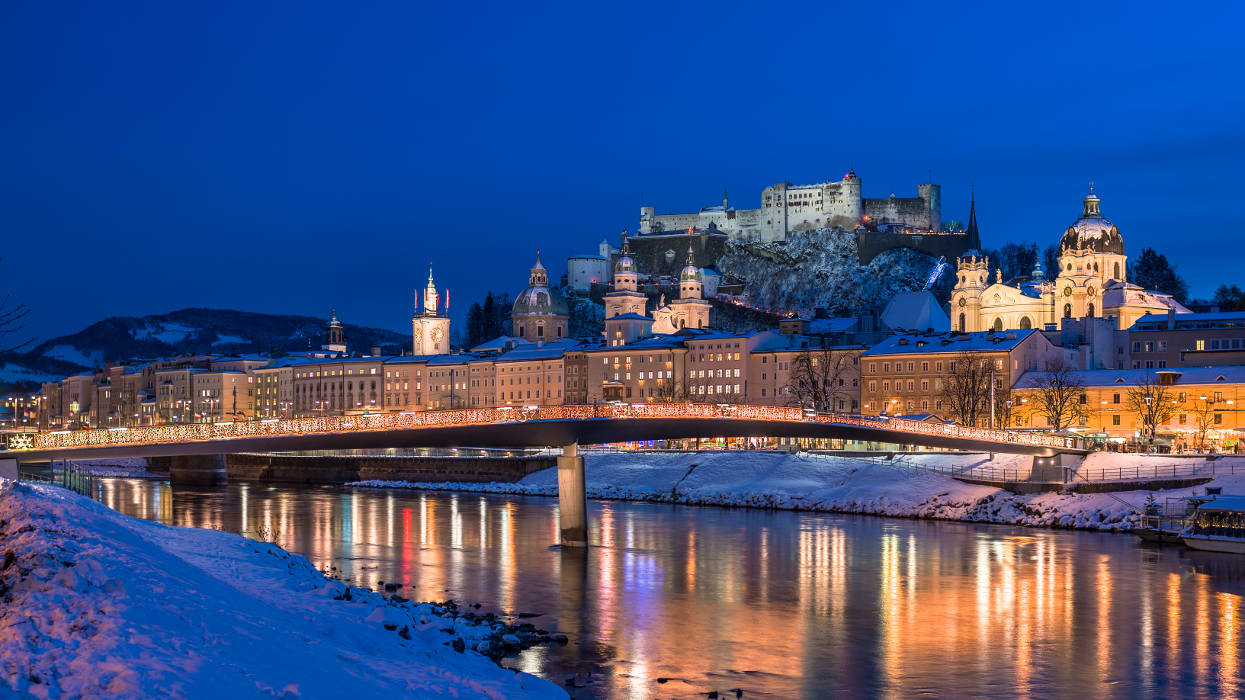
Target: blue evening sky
(292,157)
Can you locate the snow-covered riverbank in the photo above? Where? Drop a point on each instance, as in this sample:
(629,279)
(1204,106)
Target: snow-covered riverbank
(96,603)
(844,485)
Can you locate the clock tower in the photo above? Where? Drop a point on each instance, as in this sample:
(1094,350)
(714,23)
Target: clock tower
(430,328)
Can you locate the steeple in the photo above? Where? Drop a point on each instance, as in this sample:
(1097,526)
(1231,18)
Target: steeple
(539,276)
(430,295)
(336,334)
(726,202)
(974,238)
(691,256)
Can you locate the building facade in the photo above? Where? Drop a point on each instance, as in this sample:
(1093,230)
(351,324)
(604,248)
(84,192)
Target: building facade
(1091,282)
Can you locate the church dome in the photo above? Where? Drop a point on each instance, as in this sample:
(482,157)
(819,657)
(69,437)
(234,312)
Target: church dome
(539,301)
(1092,231)
(538,298)
(690,273)
(624,264)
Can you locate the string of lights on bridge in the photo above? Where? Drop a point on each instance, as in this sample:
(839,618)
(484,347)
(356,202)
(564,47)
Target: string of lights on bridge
(278,427)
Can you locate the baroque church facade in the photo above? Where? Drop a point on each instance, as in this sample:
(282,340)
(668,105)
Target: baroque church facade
(626,308)
(1091,282)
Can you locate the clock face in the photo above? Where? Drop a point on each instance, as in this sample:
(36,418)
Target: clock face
(962,301)
(436,335)
(1067,291)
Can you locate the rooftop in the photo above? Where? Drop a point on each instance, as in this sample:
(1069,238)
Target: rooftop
(954,341)
(1184,376)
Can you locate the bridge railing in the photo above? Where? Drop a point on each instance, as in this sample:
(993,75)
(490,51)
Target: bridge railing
(191,432)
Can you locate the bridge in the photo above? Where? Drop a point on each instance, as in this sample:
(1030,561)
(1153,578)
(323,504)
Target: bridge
(553,426)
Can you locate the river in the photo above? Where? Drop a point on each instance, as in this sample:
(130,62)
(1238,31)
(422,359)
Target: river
(675,601)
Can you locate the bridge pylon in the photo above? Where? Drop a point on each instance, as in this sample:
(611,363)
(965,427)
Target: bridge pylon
(572,497)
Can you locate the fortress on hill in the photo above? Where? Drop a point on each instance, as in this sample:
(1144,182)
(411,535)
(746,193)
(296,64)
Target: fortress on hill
(786,207)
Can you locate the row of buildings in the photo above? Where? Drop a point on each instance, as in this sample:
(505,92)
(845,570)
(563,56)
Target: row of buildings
(1112,350)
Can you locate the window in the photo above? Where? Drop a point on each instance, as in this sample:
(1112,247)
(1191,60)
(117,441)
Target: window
(1218,419)
(1115,419)
(1115,398)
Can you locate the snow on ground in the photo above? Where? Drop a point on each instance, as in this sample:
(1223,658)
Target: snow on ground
(100,604)
(230,340)
(171,333)
(840,484)
(69,353)
(12,372)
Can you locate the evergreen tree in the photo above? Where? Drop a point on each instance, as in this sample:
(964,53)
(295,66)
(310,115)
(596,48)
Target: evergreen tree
(1229,297)
(475,325)
(1050,261)
(1152,271)
(490,328)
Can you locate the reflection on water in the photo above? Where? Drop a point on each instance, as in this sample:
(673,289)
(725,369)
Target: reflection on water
(676,601)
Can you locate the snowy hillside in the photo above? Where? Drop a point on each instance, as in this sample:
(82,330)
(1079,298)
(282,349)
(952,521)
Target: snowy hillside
(819,269)
(184,332)
(98,604)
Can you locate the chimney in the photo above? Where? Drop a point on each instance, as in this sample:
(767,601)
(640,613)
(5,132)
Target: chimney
(1171,315)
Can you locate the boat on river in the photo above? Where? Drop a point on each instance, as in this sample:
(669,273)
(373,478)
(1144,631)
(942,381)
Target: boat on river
(1218,526)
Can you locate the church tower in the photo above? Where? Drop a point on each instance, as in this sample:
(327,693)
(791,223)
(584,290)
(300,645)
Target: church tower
(336,335)
(626,297)
(971,279)
(430,329)
(1091,256)
(690,310)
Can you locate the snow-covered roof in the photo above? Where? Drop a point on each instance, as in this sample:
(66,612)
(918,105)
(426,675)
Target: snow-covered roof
(1183,376)
(915,311)
(530,353)
(980,341)
(1218,319)
(630,317)
(1117,295)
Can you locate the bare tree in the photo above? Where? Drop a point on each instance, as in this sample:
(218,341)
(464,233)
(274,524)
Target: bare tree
(670,390)
(1152,402)
(966,387)
(1057,395)
(12,326)
(1204,415)
(821,377)
(1004,407)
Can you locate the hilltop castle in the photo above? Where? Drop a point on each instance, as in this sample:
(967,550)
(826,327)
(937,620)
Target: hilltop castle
(786,207)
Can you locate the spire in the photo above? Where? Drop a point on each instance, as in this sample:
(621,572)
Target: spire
(726,201)
(974,238)
(691,257)
(430,295)
(539,276)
